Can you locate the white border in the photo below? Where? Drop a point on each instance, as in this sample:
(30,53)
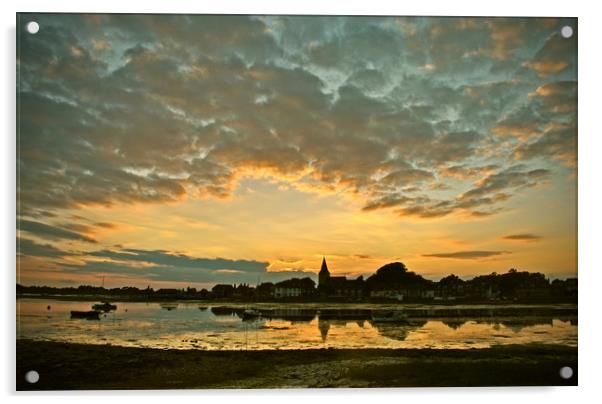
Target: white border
(589,191)
(350,7)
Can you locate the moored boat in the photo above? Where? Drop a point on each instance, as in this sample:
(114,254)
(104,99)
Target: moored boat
(104,306)
(88,315)
(389,317)
(250,313)
(169,306)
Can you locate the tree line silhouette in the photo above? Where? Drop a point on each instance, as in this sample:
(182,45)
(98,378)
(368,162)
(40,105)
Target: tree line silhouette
(511,286)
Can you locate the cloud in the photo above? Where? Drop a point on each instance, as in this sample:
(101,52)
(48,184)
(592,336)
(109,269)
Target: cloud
(464,172)
(556,89)
(547,68)
(515,177)
(100,44)
(387,201)
(558,142)
(522,237)
(158,109)
(289,260)
(160,257)
(507,36)
(556,56)
(522,123)
(467,254)
(159,265)
(454,146)
(556,102)
(483,199)
(105,225)
(51,232)
(29,247)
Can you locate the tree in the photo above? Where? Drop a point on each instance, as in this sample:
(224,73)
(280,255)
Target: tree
(395,276)
(451,280)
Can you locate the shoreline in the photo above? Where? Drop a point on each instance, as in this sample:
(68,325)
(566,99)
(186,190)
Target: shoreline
(321,303)
(136,299)
(69,366)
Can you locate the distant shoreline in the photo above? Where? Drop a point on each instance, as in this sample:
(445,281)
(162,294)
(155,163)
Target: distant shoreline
(154,299)
(66,366)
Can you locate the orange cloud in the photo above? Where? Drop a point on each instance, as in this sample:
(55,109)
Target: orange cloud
(546,68)
(100,44)
(467,254)
(522,237)
(519,131)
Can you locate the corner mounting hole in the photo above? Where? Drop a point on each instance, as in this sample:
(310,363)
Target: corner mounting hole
(566,372)
(566,31)
(32,376)
(32,27)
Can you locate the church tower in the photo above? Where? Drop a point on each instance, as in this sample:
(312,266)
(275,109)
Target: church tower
(324,274)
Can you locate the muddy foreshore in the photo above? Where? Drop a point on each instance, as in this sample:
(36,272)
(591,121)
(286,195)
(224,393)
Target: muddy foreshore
(64,366)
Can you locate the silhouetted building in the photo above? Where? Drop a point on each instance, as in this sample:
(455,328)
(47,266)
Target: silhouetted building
(265,290)
(223,290)
(339,286)
(243,291)
(386,294)
(324,274)
(294,287)
(169,293)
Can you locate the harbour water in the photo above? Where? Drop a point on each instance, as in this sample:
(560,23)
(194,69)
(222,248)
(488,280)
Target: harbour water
(294,326)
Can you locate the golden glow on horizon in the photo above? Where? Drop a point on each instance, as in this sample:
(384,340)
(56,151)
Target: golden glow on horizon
(292,229)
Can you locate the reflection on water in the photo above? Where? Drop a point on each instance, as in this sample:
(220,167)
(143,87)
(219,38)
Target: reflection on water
(190,326)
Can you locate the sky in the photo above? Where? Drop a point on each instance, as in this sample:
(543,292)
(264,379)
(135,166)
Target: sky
(190,150)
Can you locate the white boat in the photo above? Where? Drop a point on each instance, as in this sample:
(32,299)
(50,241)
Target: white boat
(389,317)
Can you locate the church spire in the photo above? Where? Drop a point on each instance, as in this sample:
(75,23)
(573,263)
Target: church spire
(324,274)
(324,266)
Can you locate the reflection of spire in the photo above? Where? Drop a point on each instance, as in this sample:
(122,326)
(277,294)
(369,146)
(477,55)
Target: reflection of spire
(324,326)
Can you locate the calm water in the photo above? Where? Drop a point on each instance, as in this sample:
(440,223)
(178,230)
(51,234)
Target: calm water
(217,327)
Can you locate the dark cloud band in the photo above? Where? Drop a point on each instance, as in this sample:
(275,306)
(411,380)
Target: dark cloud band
(467,254)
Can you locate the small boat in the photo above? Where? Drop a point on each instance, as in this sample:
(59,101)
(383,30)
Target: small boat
(169,306)
(250,313)
(389,317)
(104,306)
(88,315)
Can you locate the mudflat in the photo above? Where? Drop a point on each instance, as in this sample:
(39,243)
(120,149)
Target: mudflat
(67,366)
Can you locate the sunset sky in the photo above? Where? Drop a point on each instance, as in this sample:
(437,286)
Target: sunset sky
(178,151)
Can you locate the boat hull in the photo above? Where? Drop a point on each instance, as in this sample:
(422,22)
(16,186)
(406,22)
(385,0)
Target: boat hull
(104,307)
(88,315)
